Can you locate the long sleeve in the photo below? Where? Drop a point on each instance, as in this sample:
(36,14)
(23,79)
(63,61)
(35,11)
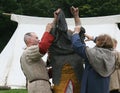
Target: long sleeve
(32,64)
(45,42)
(78,46)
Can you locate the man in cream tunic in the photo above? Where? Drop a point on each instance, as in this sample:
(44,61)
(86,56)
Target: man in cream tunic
(31,63)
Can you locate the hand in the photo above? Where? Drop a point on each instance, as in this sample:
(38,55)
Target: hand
(56,15)
(89,38)
(77,29)
(70,32)
(49,27)
(74,11)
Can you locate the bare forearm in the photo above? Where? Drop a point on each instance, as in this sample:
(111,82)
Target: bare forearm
(75,12)
(77,21)
(54,22)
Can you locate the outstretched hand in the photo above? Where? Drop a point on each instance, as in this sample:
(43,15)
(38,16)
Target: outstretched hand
(89,38)
(74,11)
(77,29)
(56,15)
(49,27)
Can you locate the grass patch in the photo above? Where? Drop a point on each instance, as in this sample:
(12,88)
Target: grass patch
(14,91)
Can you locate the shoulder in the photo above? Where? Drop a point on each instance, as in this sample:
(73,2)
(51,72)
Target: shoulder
(117,56)
(33,48)
(32,52)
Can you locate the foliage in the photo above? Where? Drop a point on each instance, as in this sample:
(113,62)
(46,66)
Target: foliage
(14,91)
(45,8)
(7,28)
(36,7)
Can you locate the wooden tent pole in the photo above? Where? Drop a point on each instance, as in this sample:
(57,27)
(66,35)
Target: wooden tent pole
(7,14)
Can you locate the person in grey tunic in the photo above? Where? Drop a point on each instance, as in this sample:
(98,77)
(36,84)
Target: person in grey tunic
(99,62)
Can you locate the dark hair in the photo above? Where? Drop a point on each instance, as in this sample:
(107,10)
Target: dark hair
(81,34)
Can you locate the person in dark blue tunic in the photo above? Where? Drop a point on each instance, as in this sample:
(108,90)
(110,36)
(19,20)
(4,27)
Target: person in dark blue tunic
(99,62)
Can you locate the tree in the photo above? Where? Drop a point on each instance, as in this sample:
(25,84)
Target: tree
(6,26)
(45,8)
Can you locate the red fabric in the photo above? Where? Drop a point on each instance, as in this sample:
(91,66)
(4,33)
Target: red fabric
(45,42)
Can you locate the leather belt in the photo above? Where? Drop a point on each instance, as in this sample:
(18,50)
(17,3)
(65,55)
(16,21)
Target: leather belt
(37,80)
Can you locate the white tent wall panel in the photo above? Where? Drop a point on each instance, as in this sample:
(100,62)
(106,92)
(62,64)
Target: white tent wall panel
(11,73)
(110,29)
(6,61)
(10,70)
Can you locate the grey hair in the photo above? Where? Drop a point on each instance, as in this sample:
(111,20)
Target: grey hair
(27,36)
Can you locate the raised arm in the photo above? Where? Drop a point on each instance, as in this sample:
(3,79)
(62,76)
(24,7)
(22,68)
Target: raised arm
(56,15)
(48,36)
(75,13)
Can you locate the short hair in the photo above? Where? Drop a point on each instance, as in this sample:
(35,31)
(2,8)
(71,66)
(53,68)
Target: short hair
(26,36)
(115,41)
(104,41)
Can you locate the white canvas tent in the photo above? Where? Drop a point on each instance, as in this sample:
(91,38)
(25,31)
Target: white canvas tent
(10,71)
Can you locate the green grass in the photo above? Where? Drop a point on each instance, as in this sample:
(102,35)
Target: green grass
(14,91)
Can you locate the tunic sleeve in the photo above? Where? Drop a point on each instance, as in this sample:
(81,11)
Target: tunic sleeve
(33,54)
(78,46)
(45,42)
